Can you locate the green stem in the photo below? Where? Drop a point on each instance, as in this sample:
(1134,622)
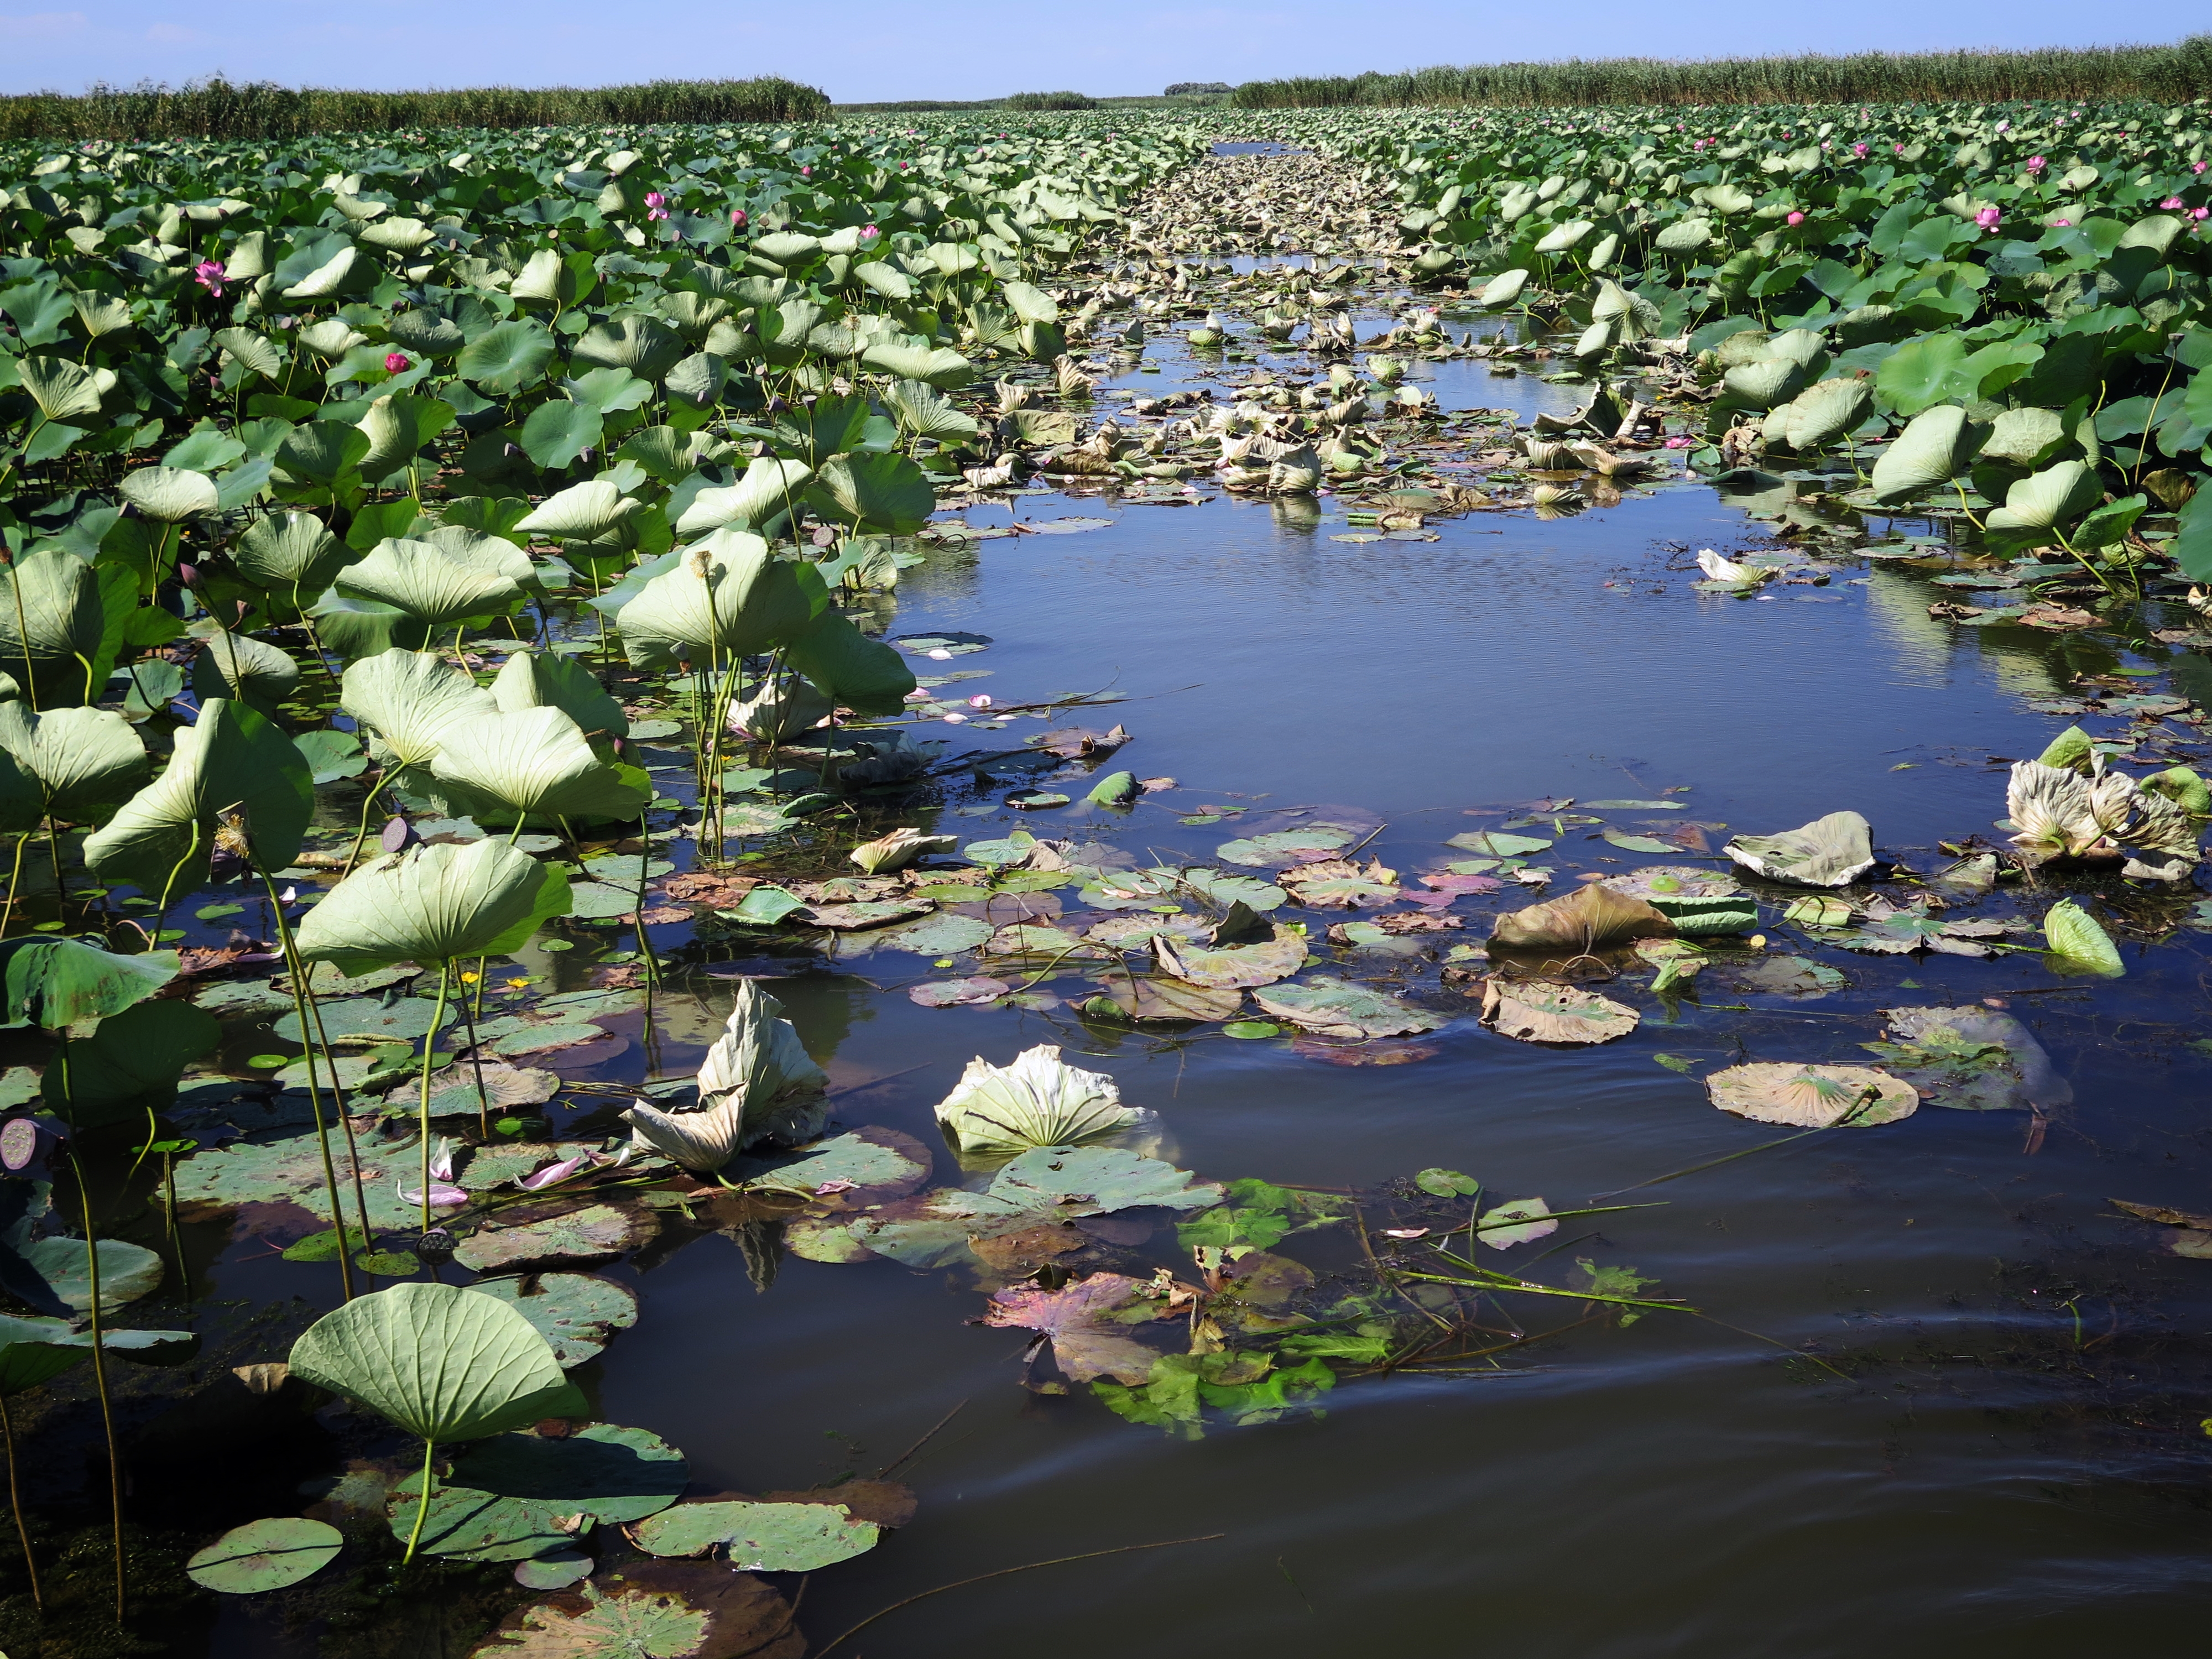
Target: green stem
(99,1352)
(429,1053)
(15,1506)
(361,836)
(14,876)
(429,1478)
(298,972)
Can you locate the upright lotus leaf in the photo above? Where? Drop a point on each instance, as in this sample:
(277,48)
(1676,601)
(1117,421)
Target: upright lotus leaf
(2185,787)
(2024,438)
(433,903)
(135,1056)
(781,710)
(169,494)
(1813,1097)
(531,679)
(1038,1101)
(34,1350)
(926,412)
(488,555)
(55,642)
(769,488)
(252,670)
(70,762)
(935,366)
(64,391)
(2078,944)
(862,674)
(408,700)
(233,770)
(322,453)
(587,511)
(1933,449)
(898,849)
(442,1362)
(646,346)
(1831,851)
(1502,290)
(2049,499)
(1593,917)
(727,595)
(2072,750)
(60,982)
(876,495)
(289,553)
(506,358)
(535,761)
(1821,414)
(1764,383)
(426,582)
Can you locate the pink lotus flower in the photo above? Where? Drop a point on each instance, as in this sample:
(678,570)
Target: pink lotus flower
(656,205)
(208,275)
(919,694)
(1899,149)
(2036,164)
(2061,224)
(1701,143)
(806,173)
(1679,442)
(1988,218)
(737,217)
(2196,167)
(982,702)
(443,1193)
(2172,202)
(2004,126)
(1859,149)
(395,362)
(1794,219)
(2198,213)
(867,231)
(552,1174)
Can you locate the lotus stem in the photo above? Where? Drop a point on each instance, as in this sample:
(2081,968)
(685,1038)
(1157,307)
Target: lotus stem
(429,1468)
(337,1098)
(14,876)
(15,1507)
(429,1053)
(297,971)
(54,852)
(99,1351)
(476,1060)
(361,834)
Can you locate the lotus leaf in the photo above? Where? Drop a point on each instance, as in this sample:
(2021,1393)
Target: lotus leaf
(728,593)
(252,670)
(770,489)
(1537,1010)
(409,699)
(265,1555)
(1275,957)
(2078,944)
(1038,1101)
(422,580)
(595,1233)
(434,902)
(534,762)
(70,762)
(1972,1059)
(683,1609)
(1831,851)
(1087,1323)
(760,1537)
(532,679)
(517,1496)
(52,626)
(233,767)
(756,1083)
(1329,1006)
(1933,449)
(1812,1097)
(1592,918)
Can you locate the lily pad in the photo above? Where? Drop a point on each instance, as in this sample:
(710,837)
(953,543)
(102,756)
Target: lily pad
(760,1537)
(1831,851)
(866,914)
(1813,1097)
(653,1609)
(1333,1007)
(289,1170)
(1497,844)
(369,1020)
(1224,890)
(944,934)
(1791,977)
(577,1313)
(1972,1059)
(1657,881)
(1162,997)
(874,1163)
(1537,1010)
(265,1555)
(507,1498)
(1629,843)
(1276,957)
(1285,847)
(593,1234)
(1087,1323)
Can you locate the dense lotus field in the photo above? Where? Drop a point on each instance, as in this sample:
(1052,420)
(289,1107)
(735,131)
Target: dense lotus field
(431,561)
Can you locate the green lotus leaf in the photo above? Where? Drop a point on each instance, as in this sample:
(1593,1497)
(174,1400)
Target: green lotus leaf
(699,380)
(770,487)
(756,1081)
(587,511)
(877,495)
(926,412)
(533,679)
(557,433)
(2048,500)
(232,765)
(1932,450)
(64,391)
(507,1500)
(433,903)
(1333,1007)
(60,982)
(423,334)
(35,1351)
(1684,236)
(137,1055)
(290,552)
(1826,412)
(265,1555)
(577,1313)
(646,346)
(442,1362)
(427,583)
(937,366)
(1764,383)
(1038,1101)
(239,665)
(728,593)
(862,674)
(760,1537)
(71,762)
(53,623)
(52,1273)
(1502,290)
(2025,437)
(506,358)
(535,761)
(408,699)
(2078,944)
(322,452)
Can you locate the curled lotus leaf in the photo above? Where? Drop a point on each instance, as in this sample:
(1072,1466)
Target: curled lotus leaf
(408,700)
(1812,1097)
(728,593)
(1263,962)
(1593,917)
(1038,1101)
(1538,1010)
(1833,851)
(2079,943)
(756,1082)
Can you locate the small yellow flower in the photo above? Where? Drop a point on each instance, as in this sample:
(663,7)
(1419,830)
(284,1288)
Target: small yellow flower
(470,979)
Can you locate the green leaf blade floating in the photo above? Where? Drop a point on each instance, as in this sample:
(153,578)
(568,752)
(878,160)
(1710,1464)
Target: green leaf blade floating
(2078,944)
(442,1363)
(760,1537)
(265,1555)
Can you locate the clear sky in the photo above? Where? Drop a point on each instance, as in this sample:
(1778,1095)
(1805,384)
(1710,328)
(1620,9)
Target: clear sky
(862,50)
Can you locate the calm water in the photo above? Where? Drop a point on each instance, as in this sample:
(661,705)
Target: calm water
(1979,1483)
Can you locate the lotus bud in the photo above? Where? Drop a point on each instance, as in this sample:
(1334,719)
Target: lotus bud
(898,849)
(395,362)
(188,575)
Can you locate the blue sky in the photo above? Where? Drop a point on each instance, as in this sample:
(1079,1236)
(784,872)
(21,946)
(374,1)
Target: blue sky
(865,50)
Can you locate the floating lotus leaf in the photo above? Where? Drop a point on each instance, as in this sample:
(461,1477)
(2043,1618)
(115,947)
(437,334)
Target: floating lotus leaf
(576,1313)
(1516,1221)
(1276,957)
(1087,1323)
(517,1496)
(1813,1097)
(1831,851)
(681,1609)
(1333,1007)
(433,903)
(1282,847)
(760,1537)
(265,1555)
(1537,1010)
(1038,1101)
(1164,997)
(879,1164)
(1495,843)
(1972,1059)
(594,1233)
(233,765)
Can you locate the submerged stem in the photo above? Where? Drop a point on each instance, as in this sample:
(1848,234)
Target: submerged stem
(16,1508)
